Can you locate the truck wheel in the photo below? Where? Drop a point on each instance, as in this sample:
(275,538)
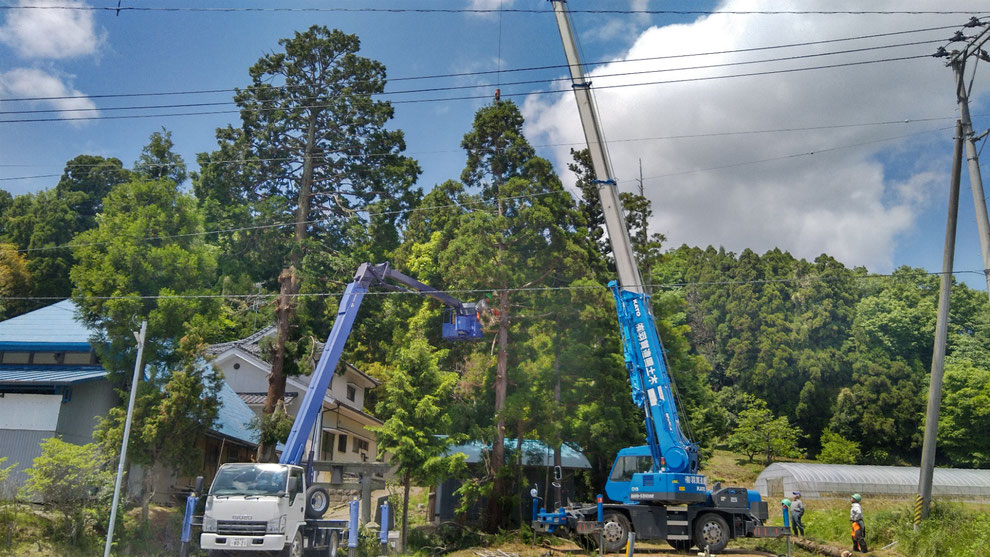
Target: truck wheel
(711,531)
(615,531)
(294,549)
(334,544)
(317,501)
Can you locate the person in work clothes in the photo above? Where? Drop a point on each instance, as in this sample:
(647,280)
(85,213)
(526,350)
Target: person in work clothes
(856,521)
(797,513)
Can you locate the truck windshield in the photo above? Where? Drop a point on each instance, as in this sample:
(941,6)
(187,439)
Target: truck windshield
(626,466)
(250,479)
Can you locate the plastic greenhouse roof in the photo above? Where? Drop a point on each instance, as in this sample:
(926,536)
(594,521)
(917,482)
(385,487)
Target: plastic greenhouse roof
(843,479)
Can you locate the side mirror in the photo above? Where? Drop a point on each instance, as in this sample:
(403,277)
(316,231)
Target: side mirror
(557,474)
(293,484)
(198,490)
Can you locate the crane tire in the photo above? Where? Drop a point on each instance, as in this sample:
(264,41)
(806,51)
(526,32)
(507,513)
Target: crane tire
(615,532)
(711,531)
(317,501)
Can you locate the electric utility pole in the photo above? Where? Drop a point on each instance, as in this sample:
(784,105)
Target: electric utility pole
(922,503)
(957,61)
(139,336)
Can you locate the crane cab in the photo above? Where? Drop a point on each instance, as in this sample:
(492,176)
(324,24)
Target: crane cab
(461,325)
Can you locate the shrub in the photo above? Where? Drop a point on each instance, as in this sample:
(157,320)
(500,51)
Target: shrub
(72,481)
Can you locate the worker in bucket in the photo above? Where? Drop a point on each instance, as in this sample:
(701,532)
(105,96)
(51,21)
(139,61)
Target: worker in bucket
(856,521)
(797,513)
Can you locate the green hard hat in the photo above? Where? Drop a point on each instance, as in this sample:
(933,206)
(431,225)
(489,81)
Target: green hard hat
(786,502)
(857,497)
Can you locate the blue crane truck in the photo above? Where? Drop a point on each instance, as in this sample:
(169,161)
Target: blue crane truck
(254,507)
(655,490)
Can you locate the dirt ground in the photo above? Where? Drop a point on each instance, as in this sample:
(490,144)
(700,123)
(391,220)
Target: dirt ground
(562,549)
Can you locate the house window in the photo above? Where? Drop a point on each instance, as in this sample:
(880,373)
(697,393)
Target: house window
(16,357)
(326,447)
(77,358)
(351,393)
(360,445)
(342,444)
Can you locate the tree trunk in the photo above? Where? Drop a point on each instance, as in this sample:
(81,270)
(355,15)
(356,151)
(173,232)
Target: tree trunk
(406,481)
(501,388)
(147,490)
(276,379)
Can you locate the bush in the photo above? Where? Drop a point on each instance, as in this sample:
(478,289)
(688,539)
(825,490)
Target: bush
(72,481)
(836,449)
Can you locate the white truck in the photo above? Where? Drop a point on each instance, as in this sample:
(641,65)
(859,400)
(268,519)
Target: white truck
(254,507)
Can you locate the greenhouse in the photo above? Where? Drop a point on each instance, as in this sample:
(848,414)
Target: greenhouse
(840,480)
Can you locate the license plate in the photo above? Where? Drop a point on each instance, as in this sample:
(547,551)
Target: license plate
(238,542)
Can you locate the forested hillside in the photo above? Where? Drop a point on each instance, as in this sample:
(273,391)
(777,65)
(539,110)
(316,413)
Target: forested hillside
(822,351)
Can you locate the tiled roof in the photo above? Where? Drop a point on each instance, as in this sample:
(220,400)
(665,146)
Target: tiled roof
(234,417)
(259,398)
(53,327)
(49,375)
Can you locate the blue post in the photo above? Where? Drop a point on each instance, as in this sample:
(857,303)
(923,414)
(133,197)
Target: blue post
(352,528)
(601,508)
(383,534)
(187,525)
(787,517)
(536,505)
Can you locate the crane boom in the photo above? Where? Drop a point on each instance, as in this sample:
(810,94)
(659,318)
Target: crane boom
(462,324)
(675,457)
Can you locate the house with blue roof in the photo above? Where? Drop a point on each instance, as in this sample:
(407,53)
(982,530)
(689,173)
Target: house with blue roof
(52,384)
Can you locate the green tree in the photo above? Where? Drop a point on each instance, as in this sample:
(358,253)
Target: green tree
(317,149)
(964,423)
(147,260)
(69,479)
(759,432)
(836,449)
(416,408)
(15,281)
(159,162)
(518,233)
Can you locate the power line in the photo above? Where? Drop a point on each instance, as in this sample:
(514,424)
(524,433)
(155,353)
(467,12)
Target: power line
(487,85)
(410,210)
(224,9)
(486,96)
(904,121)
(486,290)
(512,70)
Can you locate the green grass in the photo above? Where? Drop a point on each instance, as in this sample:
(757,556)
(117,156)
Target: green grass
(953,529)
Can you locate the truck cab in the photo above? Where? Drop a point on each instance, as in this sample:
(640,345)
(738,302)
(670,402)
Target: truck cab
(255,507)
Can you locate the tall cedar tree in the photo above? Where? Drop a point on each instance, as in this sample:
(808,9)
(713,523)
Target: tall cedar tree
(516,234)
(317,151)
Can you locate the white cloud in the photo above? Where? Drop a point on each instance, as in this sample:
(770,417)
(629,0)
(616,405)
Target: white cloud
(35,83)
(489,5)
(51,33)
(852,202)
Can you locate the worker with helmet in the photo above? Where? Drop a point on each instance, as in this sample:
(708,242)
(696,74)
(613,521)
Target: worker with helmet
(856,520)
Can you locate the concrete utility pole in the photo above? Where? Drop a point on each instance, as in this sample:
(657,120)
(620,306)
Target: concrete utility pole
(924,499)
(127,433)
(957,61)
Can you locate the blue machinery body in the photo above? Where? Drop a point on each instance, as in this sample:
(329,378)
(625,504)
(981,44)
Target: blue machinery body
(673,476)
(460,323)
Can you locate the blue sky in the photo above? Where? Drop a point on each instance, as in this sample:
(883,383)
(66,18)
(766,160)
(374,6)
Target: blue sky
(873,193)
